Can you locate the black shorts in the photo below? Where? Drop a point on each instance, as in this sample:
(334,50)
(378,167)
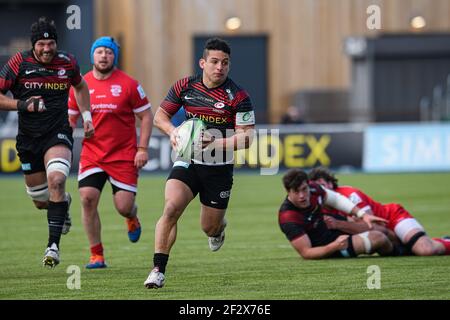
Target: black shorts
(97,180)
(213,183)
(31,151)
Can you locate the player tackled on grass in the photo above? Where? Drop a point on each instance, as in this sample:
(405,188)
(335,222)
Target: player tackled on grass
(40,80)
(225,108)
(301,220)
(400,222)
(113,154)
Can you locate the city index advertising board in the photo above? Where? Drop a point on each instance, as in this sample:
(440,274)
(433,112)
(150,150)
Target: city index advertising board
(270,151)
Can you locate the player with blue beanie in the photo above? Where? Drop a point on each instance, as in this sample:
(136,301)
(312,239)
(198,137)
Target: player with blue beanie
(116,154)
(107,42)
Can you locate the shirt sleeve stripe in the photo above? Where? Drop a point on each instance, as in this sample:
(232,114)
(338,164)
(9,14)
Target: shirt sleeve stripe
(140,109)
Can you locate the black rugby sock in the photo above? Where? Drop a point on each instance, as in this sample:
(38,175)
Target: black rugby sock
(56,214)
(160,261)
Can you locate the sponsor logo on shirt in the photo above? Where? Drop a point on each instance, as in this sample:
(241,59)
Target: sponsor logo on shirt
(245,118)
(64,56)
(103,107)
(46,86)
(355,198)
(186,97)
(208,118)
(230,95)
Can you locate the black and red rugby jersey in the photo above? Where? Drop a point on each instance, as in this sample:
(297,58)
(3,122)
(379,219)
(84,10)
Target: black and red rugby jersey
(25,77)
(216,107)
(295,222)
(221,108)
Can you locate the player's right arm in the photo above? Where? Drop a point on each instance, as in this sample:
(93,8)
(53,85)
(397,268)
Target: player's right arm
(162,122)
(33,104)
(294,230)
(303,246)
(8,75)
(171,104)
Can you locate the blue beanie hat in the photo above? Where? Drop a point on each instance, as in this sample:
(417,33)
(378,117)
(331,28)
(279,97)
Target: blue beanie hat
(107,42)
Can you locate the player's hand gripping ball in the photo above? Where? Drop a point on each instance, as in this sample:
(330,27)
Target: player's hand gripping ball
(189,139)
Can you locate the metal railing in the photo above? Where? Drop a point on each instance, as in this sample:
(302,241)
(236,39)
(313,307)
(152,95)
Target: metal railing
(436,108)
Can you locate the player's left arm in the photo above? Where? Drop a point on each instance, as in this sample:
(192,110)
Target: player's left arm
(146,118)
(242,139)
(81,93)
(244,126)
(74,112)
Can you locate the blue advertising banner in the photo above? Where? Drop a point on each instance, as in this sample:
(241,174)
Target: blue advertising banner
(407,147)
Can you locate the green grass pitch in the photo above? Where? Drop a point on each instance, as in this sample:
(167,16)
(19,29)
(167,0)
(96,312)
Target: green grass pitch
(256,261)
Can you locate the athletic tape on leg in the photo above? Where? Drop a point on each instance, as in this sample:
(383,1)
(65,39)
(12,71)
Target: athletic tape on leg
(39,193)
(58,164)
(367,244)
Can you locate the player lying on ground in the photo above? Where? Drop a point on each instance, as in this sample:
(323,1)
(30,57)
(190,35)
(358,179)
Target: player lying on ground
(400,222)
(301,220)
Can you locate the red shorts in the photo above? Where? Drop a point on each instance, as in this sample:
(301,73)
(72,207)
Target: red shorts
(122,173)
(395,213)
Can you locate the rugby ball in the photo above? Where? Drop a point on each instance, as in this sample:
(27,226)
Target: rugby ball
(189,138)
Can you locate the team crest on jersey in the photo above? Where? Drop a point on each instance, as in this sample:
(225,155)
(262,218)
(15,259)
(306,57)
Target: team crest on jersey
(141,92)
(316,223)
(116,90)
(219,105)
(62,74)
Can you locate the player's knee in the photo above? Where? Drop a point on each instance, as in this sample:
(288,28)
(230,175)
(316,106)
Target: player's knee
(378,239)
(57,171)
(126,209)
(88,201)
(211,229)
(172,211)
(56,182)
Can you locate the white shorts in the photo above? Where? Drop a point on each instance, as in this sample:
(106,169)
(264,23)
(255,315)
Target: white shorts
(405,226)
